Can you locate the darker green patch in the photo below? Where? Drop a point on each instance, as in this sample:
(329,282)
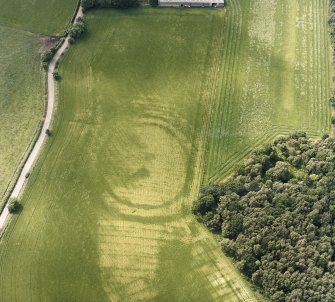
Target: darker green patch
(139,174)
(180,277)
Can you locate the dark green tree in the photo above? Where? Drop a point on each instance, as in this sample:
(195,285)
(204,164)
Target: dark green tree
(13,205)
(125,3)
(153,3)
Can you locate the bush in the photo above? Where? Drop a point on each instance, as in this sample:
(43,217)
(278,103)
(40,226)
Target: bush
(56,75)
(71,40)
(45,66)
(47,56)
(13,206)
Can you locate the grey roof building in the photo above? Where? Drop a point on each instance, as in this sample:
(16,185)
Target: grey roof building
(191,3)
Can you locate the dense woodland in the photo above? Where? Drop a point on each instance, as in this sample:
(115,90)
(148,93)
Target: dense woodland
(275,217)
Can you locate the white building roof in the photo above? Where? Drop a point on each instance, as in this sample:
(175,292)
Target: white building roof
(193,1)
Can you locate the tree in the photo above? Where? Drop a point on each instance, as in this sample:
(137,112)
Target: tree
(77,29)
(204,204)
(233,227)
(279,172)
(122,4)
(153,2)
(125,3)
(87,4)
(13,206)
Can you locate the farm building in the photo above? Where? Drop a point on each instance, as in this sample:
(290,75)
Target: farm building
(191,3)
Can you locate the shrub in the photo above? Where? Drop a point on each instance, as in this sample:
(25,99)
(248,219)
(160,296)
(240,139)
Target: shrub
(47,56)
(56,75)
(45,66)
(13,206)
(71,41)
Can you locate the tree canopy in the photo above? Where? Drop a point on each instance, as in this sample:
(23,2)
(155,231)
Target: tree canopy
(77,29)
(87,4)
(276,218)
(13,206)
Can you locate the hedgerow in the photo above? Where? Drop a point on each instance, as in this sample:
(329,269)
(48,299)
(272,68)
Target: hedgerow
(87,4)
(77,29)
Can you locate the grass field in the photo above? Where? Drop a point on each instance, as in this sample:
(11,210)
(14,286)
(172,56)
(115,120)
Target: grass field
(276,78)
(21,98)
(107,211)
(21,79)
(39,16)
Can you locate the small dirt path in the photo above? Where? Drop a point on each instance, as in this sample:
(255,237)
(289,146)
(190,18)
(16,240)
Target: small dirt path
(20,182)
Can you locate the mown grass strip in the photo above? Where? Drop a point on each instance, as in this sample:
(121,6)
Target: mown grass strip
(278,89)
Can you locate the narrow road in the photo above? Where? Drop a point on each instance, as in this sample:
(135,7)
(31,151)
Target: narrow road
(39,143)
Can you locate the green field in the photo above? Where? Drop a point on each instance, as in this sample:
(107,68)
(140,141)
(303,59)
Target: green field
(21,79)
(21,98)
(39,16)
(107,210)
(148,100)
(276,78)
